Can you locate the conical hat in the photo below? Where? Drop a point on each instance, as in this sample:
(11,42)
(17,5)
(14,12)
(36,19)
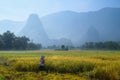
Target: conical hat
(42,57)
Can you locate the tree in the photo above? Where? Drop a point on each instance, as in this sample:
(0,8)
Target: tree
(62,47)
(99,45)
(2,44)
(8,39)
(33,46)
(21,43)
(110,45)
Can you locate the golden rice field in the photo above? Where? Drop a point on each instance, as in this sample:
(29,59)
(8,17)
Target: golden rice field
(60,65)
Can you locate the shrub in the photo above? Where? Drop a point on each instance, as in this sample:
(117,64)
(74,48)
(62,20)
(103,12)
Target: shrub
(106,73)
(1,77)
(24,66)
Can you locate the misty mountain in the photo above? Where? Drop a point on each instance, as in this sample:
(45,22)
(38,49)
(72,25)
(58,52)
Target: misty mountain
(62,24)
(91,35)
(35,30)
(75,25)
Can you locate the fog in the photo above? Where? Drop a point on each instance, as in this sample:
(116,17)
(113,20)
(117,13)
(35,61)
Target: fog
(57,22)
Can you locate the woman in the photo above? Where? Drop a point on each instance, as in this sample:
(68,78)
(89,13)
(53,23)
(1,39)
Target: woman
(42,62)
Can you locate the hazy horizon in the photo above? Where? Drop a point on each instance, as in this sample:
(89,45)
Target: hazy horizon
(20,10)
(64,27)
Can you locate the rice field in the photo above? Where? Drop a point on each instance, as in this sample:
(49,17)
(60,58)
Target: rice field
(60,65)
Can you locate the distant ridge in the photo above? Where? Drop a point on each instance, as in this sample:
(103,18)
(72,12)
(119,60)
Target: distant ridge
(35,30)
(72,25)
(75,25)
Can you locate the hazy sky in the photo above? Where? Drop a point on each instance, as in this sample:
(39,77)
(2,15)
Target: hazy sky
(20,9)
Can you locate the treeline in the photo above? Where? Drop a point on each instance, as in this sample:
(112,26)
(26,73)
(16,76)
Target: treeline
(9,41)
(108,45)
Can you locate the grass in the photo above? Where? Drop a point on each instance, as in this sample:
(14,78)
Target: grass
(60,65)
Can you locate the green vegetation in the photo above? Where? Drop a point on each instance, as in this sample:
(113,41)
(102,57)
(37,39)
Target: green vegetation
(108,45)
(62,48)
(60,65)
(8,41)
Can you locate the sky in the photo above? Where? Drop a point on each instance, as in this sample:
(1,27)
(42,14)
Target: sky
(19,10)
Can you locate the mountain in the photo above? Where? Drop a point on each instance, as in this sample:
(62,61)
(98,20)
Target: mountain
(62,25)
(35,30)
(92,35)
(74,26)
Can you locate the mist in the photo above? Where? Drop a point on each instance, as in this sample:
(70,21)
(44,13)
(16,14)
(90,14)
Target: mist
(59,23)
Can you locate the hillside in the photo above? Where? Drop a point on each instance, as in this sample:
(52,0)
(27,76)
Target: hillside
(35,30)
(71,25)
(75,25)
